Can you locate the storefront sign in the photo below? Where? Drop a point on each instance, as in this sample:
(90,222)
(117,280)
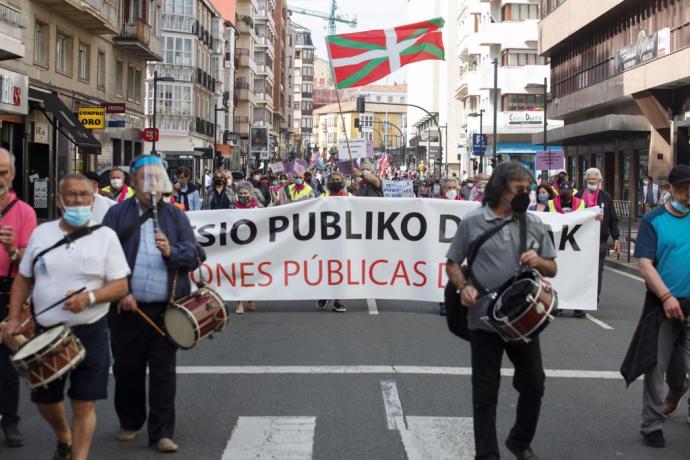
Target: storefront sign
(40,133)
(525,118)
(646,47)
(14,92)
(92,117)
(116,107)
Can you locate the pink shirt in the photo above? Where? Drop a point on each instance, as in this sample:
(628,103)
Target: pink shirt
(22,218)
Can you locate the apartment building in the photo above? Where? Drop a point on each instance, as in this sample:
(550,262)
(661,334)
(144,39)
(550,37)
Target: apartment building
(245,73)
(57,56)
(281,72)
(620,78)
(506,32)
(189,83)
(264,80)
(303,80)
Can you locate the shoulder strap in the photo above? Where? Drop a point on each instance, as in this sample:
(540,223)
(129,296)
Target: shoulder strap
(522,219)
(7,208)
(134,226)
(68,239)
(474,250)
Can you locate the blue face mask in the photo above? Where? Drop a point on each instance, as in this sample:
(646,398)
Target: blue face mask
(678,206)
(592,187)
(543,197)
(77,216)
(299,181)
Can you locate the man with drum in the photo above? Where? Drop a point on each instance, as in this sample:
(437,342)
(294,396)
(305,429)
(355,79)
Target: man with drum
(17,222)
(74,271)
(498,259)
(161,249)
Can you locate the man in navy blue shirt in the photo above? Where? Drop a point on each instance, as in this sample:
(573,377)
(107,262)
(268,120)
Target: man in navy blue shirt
(663,248)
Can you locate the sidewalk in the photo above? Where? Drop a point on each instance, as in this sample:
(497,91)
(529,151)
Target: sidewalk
(622,264)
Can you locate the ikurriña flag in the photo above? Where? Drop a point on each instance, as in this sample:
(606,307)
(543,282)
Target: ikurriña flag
(361,58)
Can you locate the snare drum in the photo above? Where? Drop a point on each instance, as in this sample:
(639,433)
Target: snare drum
(48,356)
(191,319)
(523,309)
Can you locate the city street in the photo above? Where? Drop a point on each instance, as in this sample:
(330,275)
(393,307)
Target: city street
(289,381)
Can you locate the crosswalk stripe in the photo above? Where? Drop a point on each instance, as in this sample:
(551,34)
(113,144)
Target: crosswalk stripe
(392,404)
(264,438)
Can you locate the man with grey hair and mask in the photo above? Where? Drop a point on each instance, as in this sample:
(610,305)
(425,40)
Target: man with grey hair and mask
(17,222)
(369,183)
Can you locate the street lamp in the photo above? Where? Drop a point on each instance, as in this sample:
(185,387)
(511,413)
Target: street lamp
(156,79)
(216,109)
(481,127)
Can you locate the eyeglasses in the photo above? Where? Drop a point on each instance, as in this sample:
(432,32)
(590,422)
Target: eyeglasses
(74,195)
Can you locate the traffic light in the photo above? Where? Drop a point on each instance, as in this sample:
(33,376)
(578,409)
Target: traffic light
(361,103)
(357,123)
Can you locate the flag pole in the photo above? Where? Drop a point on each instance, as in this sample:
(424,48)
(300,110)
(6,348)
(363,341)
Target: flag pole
(340,107)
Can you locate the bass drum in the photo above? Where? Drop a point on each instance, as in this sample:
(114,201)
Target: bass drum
(523,309)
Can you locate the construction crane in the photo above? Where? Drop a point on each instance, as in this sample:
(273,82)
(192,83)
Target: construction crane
(332,18)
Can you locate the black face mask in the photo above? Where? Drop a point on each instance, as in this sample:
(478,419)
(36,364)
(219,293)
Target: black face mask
(335,186)
(566,197)
(219,181)
(520,203)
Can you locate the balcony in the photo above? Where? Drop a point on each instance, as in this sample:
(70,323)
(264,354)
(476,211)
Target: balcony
(96,16)
(177,72)
(136,39)
(178,22)
(307,77)
(241,125)
(11,24)
(243,92)
(264,97)
(468,85)
(513,79)
(307,95)
(263,69)
(513,35)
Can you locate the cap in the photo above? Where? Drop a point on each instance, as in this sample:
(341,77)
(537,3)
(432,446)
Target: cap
(680,174)
(566,187)
(90,175)
(561,171)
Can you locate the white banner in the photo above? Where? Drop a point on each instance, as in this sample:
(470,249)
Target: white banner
(398,189)
(366,248)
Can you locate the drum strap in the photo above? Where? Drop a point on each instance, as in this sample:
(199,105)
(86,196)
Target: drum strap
(474,250)
(68,239)
(522,220)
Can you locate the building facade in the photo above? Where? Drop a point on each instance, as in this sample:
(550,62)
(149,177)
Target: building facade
(303,95)
(620,74)
(58,57)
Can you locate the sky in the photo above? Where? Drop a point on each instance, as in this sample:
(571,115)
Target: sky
(371,14)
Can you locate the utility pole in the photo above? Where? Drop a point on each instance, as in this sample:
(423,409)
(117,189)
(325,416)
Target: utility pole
(495,142)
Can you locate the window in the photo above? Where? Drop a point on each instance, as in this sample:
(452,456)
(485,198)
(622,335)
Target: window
(137,85)
(307,106)
(173,99)
(177,51)
(306,122)
(368,135)
(520,12)
(119,78)
(130,82)
(307,88)
(366,121)
(63,54)
(100,69)
(522,102)
(41,41)
(84,61)
(181,7)
(520,58)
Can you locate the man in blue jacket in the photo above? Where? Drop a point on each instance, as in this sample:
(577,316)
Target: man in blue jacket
(158,262)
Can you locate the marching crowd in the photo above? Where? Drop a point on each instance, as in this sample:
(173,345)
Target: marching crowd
(119,255)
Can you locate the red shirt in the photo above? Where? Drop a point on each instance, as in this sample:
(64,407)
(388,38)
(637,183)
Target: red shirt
(22,218)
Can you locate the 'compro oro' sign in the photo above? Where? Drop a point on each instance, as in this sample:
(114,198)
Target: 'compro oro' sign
(92,117)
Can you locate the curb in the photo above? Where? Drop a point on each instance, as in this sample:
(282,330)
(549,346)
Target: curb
(622,266)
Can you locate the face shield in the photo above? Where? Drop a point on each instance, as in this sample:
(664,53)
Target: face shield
(151,177)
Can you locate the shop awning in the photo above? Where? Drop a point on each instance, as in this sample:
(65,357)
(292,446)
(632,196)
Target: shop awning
(68,124)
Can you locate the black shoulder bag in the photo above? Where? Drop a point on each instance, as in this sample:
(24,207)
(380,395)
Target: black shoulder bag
(456,313)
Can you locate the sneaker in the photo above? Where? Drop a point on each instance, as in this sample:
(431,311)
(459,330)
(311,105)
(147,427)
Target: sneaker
(654,438)
(579,314)
(63,452)
(672,401)
(125,435)
(442,310)
(340,308)
(323,303)
(521,454)
(13,438)
(165,445)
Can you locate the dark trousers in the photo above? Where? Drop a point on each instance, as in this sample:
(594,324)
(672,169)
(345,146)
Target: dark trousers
(135,347)
(603,252)
(487,353)
(9,384)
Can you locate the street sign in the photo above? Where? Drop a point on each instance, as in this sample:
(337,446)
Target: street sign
(115,107)
(92,117)
(149,134)
(479,143)
(551,159)
(116,123)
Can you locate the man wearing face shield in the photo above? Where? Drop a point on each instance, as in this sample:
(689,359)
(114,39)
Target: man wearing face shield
(369,183)
(498,259)
(17,222)
(82,276)
(159,262)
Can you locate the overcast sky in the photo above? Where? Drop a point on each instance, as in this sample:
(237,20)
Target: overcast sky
(371,14)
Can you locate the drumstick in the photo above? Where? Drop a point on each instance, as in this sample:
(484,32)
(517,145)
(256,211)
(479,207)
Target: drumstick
(148,320)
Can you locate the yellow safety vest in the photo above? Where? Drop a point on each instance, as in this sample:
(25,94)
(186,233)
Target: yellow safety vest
(552,206)
(303,194)
(328,194)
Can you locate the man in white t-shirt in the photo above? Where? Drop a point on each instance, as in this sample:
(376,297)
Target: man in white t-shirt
(95,263)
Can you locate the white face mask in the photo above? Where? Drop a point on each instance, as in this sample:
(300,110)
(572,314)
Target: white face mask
(451,194)
(256,178)
(116,183)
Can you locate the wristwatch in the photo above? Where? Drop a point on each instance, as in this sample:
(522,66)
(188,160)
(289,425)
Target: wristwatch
(92,298)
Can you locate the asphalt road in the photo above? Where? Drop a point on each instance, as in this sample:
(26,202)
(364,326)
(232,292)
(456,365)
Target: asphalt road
(289,381)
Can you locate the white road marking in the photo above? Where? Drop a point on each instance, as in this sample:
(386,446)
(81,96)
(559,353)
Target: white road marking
(400,370)
(599,322)
(439,438)
(271,438)
(393,406)
(373,308)
(626,274)
(428,437)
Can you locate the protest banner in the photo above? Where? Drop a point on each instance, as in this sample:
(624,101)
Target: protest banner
(365,248)
(345,167)
(277,167)
(398,189)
